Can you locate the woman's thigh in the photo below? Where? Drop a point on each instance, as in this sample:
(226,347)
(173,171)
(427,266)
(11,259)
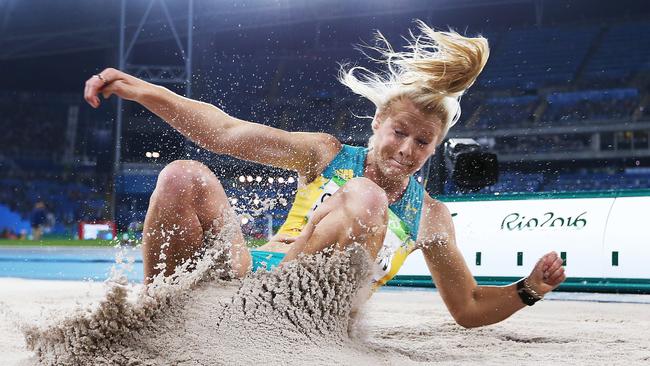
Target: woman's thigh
(190,198)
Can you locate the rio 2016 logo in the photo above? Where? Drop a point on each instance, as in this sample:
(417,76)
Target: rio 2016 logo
(515,221)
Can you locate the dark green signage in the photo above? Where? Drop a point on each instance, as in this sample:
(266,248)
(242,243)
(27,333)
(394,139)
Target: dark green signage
(515,221)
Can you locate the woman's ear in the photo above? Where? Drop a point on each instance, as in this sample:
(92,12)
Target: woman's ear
(380,114)
(375,124)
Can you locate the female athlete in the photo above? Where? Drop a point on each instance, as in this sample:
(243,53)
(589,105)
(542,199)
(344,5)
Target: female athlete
(346,194)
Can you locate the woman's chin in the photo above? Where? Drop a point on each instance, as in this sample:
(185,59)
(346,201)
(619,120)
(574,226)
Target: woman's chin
(399,168)
(396,172)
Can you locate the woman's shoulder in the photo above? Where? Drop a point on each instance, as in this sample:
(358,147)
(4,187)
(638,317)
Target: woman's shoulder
(435,212)
(436,221)
(325,150)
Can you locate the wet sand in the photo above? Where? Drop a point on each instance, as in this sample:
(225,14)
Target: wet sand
(410,326)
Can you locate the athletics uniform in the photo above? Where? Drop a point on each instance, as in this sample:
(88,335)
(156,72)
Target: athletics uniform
(404,215)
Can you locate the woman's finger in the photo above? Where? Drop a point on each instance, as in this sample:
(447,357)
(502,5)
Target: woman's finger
(88,92)
(92,88)
(545,262)
(551,257)
(556,281)
(554,266)
(109,90)
(556,277)
(108,74)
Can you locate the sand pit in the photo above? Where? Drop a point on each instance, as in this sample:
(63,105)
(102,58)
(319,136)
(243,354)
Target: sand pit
(302,310)
(410,325)
(311,311)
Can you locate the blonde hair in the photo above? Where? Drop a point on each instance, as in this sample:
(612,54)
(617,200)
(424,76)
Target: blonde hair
(434,72)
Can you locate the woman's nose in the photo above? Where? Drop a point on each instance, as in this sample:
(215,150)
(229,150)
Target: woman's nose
(406,148)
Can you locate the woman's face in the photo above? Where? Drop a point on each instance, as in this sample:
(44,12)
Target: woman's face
(404,138)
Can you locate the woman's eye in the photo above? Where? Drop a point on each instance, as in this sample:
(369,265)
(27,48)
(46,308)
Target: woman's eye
(400,133)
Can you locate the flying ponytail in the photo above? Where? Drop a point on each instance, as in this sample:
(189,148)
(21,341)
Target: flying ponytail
(434,72)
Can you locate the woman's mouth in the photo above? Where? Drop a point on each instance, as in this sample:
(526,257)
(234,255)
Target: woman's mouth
(401,165)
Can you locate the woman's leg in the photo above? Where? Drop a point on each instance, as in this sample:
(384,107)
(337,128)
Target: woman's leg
(356,213)
(187,201)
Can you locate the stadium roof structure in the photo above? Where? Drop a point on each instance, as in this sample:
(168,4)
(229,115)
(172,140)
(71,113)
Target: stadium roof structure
(32,28)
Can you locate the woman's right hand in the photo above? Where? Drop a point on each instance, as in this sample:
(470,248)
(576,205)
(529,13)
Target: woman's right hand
(111,81)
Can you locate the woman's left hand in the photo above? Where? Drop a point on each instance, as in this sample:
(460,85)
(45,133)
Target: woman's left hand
(278,243)
(547,274)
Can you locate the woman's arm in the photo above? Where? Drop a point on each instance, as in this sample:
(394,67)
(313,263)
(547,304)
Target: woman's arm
(472,305)
(215,130)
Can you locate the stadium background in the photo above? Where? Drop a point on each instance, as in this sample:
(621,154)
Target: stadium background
(563,101)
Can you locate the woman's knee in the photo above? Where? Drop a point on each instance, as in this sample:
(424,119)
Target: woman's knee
(366,198)
(181,179)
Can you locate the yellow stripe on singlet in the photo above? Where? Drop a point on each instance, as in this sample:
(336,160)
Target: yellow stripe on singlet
(306,196)
(396,263)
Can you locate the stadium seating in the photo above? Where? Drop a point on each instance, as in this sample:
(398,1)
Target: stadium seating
(531,145)
(623,51)
(12,223)
(506,112)
(516,182)
(42,126)
(70,202)
(576,182)
(274,199)
(526,182)
(594,105)
(533,58)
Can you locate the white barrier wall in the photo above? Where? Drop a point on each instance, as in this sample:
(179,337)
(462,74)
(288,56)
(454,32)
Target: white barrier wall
(628,233)
(510,235)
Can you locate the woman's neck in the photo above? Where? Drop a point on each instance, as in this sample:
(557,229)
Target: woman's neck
(394,188)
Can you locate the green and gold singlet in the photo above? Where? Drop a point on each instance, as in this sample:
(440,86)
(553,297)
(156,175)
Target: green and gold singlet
(404,215)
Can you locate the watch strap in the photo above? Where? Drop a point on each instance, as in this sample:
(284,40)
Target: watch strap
(525,295)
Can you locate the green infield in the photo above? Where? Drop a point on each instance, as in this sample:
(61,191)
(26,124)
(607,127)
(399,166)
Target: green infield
(254,243)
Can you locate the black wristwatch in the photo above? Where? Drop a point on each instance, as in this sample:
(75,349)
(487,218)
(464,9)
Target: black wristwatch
(527,295)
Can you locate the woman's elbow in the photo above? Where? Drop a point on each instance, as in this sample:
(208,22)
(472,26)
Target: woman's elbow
(467,324)
(462,321)
(466,320)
